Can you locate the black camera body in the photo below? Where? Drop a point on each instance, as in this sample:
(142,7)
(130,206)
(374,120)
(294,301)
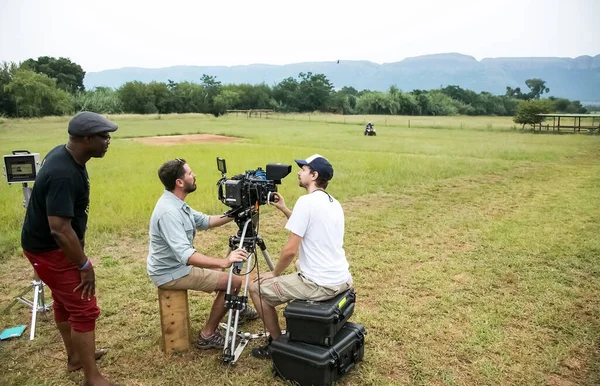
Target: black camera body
(251,189)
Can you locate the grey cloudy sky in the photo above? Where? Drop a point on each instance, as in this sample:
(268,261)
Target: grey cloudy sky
(107,34)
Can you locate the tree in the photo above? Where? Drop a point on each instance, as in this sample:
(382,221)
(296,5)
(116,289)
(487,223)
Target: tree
(537,87)
(340,102)
(423,100)
(36,95)
(374,102)
(8,106)
(137,98)
(212,88)
(314,92)
(401,103)
(408,104)
(163,97)
(251,96)
(285,94)
(457,93)
(441,104)
(515,93)
(527,111)
(226,100)
(490,104)
(351,95)
(191,97)
(349,91)
(510,105)
(69,76)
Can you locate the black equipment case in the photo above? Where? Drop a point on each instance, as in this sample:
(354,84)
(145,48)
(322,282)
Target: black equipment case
(318,322)
(309,364)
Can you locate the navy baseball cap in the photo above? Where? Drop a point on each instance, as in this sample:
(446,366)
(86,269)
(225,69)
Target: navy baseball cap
(319,164)
(87,123)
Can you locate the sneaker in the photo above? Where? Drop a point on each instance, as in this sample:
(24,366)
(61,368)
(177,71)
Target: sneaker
(247,314)
(262,352)
(216,340)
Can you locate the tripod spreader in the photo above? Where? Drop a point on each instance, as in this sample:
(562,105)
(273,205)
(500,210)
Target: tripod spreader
(235,302)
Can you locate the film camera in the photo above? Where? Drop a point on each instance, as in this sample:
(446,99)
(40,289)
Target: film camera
(243,193)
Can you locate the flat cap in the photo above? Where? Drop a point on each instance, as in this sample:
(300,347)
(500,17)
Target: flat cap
(87,123)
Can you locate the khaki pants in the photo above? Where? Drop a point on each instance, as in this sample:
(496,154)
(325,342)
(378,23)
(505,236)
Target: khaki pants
(199,279)
(282,289)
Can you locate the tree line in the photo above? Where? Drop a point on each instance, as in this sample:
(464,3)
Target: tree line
(54,86)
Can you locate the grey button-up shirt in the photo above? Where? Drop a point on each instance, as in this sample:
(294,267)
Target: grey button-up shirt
(172,229)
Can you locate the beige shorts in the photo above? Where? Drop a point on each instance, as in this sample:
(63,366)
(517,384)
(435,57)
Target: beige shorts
(282,289)
(199,279)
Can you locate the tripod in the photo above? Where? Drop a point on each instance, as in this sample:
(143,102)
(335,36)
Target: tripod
(38,303)
(246,238)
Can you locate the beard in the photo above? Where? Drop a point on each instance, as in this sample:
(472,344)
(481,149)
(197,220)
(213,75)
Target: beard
(189,188)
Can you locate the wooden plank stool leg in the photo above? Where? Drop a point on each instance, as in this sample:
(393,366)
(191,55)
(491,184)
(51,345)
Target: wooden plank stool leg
(174,320)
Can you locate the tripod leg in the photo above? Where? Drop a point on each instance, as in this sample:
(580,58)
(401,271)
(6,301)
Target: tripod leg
(243,342)
(42,300)
(265,253)
(16,299)
(230,355)
(34,310)
(226,353)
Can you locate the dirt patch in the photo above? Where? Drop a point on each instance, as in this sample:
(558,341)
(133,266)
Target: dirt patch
(168,140)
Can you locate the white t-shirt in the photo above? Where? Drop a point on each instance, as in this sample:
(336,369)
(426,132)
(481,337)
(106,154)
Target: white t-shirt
(320,223)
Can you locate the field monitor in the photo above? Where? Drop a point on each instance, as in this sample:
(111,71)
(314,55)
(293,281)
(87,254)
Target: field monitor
(21,166)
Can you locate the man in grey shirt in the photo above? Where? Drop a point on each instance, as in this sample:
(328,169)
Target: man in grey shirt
(174,263)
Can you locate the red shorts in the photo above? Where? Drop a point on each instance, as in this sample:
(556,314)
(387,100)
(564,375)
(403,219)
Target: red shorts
(62,276)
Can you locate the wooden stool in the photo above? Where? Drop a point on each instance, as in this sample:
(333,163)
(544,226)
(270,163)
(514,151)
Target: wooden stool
(174,320)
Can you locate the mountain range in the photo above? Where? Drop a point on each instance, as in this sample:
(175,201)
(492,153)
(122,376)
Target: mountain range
(575,79)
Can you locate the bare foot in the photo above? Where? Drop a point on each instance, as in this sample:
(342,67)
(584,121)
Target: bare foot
(98,381)
(75,365)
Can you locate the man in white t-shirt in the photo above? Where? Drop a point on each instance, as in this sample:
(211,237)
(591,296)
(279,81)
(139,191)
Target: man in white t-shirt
(316,235)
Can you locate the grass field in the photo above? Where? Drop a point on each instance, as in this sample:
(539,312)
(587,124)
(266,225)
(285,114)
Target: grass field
(475,248)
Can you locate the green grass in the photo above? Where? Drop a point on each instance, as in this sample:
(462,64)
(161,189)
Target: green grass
(474,250)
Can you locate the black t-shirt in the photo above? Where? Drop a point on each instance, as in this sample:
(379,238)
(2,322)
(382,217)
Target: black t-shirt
(61,188)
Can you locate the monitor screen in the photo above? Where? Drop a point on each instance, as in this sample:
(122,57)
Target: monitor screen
(21,169)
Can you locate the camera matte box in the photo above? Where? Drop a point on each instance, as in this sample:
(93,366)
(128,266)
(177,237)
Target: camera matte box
(317,322)
(308,364)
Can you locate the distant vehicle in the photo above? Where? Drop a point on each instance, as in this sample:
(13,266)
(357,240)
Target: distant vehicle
(370,129)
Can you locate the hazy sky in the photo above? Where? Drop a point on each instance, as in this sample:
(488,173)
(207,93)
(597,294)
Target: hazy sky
(107,34)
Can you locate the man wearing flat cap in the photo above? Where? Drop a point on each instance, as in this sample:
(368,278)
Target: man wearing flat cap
(53,238)
(316,235)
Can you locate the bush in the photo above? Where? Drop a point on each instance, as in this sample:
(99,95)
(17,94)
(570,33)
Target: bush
(441,104)
(102,100)
(527,111)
